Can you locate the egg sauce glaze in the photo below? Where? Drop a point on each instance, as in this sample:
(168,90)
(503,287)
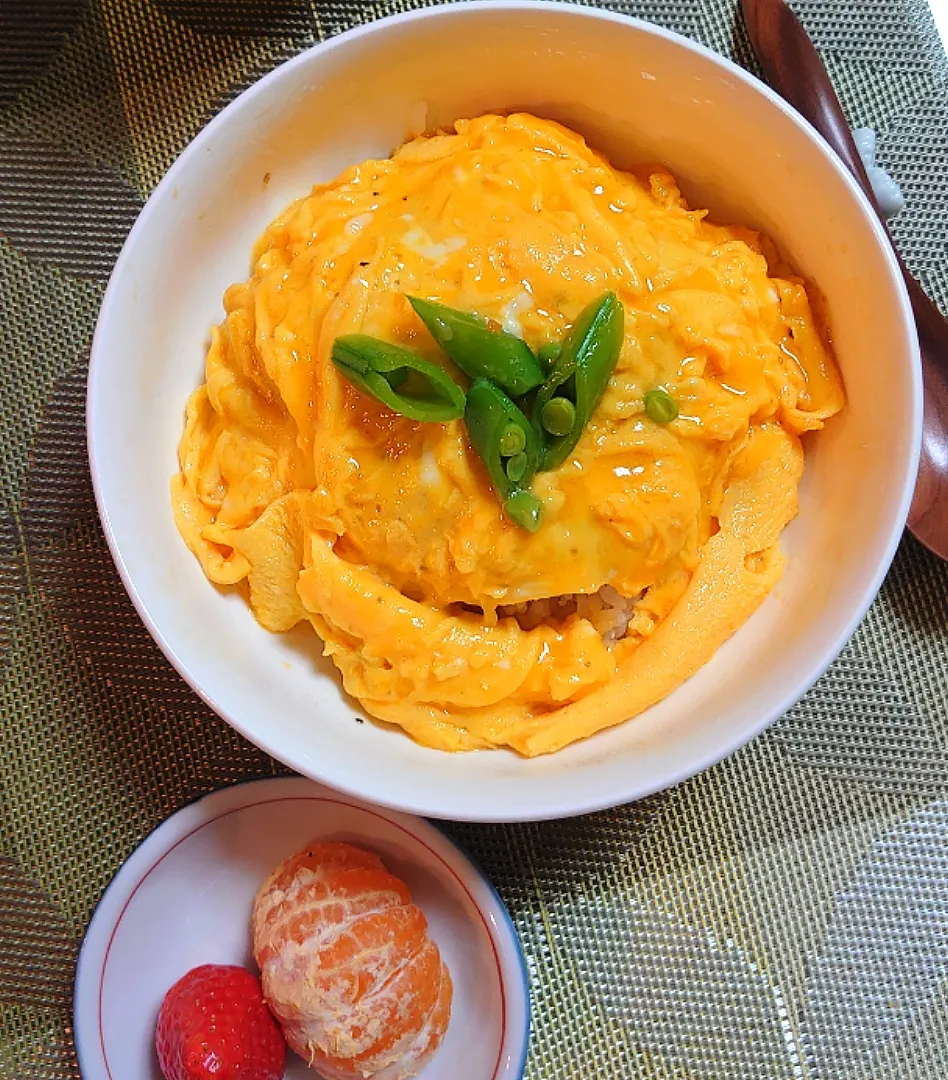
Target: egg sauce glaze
(386,535)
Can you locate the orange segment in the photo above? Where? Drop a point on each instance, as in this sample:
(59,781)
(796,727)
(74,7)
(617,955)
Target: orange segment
(320,860)
(406,1002)
(347,965)
(307,908)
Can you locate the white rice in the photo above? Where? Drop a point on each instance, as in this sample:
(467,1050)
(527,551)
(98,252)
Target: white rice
(608,610)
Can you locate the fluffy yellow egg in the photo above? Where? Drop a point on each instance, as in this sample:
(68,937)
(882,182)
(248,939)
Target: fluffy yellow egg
(658,540)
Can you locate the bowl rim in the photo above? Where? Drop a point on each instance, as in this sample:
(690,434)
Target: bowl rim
(210,807)
(559,804)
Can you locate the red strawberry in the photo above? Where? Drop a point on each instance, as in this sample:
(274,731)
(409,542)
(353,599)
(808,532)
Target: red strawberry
(215,1025)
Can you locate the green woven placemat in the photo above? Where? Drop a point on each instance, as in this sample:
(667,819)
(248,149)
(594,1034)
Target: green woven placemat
(784,915)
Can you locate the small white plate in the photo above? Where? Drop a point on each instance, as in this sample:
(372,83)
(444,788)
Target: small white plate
(183,898)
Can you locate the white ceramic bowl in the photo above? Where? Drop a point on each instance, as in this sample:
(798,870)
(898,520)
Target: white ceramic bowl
(183,898)
(638,93)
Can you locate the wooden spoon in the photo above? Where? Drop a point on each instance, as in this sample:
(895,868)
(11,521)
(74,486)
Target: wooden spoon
(793,68)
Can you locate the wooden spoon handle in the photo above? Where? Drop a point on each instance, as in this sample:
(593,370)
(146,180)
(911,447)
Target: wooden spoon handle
(794,69)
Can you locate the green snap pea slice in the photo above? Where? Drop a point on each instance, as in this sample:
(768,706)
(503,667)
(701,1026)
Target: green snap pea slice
(660,406)
(512,441)
(478,350)
(516,467)
(548,353)
(558,416)
(525,509)
(489,414)
(580,374)
(407,384)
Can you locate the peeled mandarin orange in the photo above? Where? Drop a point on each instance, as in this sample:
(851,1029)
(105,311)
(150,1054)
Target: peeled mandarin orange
(347,966)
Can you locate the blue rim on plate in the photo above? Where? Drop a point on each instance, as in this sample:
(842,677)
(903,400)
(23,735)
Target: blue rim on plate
(207,810)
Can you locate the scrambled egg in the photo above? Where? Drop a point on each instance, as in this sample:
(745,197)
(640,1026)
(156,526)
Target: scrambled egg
(385,534)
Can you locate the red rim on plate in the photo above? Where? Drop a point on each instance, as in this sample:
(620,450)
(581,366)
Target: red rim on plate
(97,948)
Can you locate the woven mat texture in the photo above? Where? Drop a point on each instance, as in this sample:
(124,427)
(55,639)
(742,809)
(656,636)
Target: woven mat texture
(783,915)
